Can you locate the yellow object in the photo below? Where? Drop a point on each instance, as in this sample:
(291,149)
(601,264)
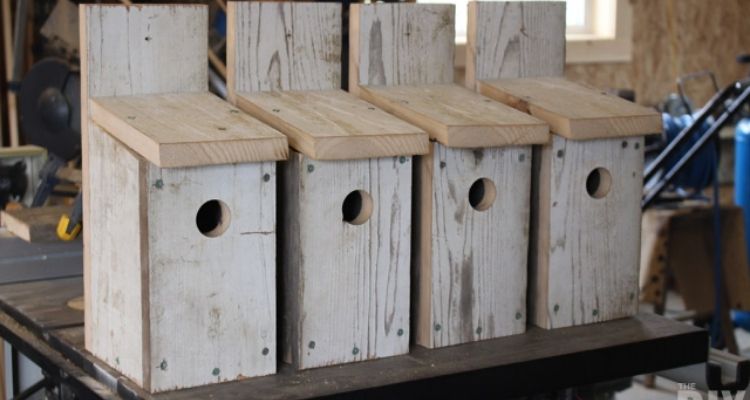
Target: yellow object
(62,229)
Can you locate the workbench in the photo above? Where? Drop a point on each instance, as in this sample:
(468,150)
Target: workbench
(35,318)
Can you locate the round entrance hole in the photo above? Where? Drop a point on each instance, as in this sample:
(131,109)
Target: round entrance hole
(357,207)
(598,183)
(213,218)
(482,194)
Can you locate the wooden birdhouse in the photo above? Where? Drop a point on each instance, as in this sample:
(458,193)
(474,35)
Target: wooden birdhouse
(472,190)
(588,179)
(345,192)
(179,205)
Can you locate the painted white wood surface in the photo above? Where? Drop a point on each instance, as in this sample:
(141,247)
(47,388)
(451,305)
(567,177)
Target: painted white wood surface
(346,286)
(592,244)
(477,270)
(115,302)
(514,40)
(212,299)
(401,44)
(116,44)
(283,46)
(165,305)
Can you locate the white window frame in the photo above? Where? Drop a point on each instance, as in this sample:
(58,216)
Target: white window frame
(607,36)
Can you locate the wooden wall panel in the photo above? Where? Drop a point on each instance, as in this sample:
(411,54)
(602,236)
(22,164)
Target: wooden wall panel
(672,38)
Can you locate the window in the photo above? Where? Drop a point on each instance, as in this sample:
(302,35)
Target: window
(597,30)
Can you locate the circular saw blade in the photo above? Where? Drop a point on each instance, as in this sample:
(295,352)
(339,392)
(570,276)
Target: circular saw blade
(49,102)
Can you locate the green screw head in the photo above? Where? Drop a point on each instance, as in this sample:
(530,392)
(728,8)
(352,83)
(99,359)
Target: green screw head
(163,365)
(310,168)
(355,350)
(518,315)
(311,344)
(400,332)
(595,313)
(402,159)
(479,330)
(556,308)
(438,327)
(159,184)
(216,372)
(265,351)
(266,177)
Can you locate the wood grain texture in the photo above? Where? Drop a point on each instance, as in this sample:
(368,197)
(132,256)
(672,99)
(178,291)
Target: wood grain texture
(514,40)
(334,125)
(165,305)
(114,63)
(115,302)
(574,111)
(346,286)
(401,44)
(34,225)
(584,267)
(402,60)
(472,275)
(213,295)
(457,117)
(283,46)
(187,129)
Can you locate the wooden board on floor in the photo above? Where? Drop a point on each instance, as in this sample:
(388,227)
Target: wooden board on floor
(457,117)
(574,111)
(187,129)
(333,124)
(34,225)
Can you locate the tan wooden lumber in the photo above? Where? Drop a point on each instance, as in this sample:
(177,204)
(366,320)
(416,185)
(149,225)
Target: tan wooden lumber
(34,225)
(574,111)
(187,129)
(457,117)
(334,125)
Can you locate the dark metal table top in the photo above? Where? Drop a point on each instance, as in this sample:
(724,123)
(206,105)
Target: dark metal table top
(36,316)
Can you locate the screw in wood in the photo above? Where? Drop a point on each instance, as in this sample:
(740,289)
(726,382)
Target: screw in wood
(216,372)
(595,313)
(311,344)
(442,164)
(117,360)
(355,350)
(265,351)
(637,146)
(310,168)
(266,177)
(518,315)
(276,110)
(159,184)
(624,144)
(521,157)
(560,153)
(163,365)
(402,159)
(556,308)
(400,332)
(479,330)
(438,327)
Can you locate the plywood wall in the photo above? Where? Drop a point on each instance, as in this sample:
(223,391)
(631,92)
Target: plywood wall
(672,38)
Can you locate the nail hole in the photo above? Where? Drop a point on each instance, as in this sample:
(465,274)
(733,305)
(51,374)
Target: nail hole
(482,194)
(357,207)
(213,218)
(598,183)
